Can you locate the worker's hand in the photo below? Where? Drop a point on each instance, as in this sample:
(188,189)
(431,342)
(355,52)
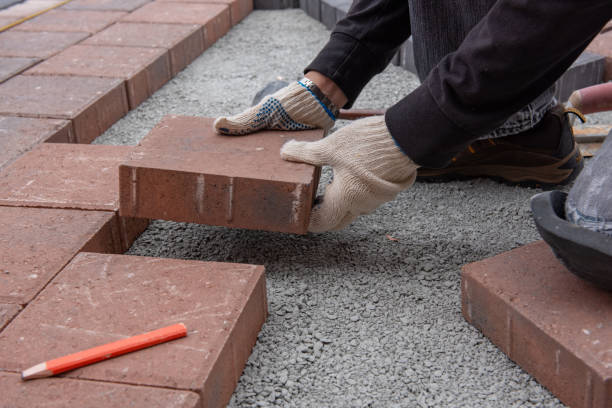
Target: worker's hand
(295,107)
(369,170)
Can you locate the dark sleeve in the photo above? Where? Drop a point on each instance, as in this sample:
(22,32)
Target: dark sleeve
(362,44)
(518,50)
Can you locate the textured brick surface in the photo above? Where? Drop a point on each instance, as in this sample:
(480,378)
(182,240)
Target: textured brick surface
(239,9)
(554,325)
(587,70)
(70,176)
(145,70)
(65,392)
(10,66)
(71,20)
(185,42)
(215,18)
(602,45)
(105,5)
(184,171)
(36,243)
(93,104)
(26,8)
(18,135)
(36,44)
(101,298)
(7,312)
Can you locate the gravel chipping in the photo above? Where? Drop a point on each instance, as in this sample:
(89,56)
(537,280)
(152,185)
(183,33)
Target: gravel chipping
(365,317)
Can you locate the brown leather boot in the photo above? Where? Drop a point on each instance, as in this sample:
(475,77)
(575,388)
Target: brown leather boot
(545,154)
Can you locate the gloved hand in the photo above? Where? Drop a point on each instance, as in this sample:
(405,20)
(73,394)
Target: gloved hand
(369,170)
(298,106)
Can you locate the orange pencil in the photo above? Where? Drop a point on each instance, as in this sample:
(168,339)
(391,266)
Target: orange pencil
(106,351)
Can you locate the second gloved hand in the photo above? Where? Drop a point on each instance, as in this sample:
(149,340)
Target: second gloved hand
(369,170)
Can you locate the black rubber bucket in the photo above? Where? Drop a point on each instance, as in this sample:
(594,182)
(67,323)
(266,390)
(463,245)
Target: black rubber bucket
(586,253)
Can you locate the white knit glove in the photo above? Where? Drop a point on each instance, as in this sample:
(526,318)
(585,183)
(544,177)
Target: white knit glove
(369,170)
(291,108)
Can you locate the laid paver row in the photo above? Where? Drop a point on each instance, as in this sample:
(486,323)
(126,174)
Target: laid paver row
(54,67)
(59,203)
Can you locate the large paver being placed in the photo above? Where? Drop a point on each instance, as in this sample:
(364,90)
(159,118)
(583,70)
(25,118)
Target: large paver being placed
(18,135)
(36,243)
(37,44)
(184,171)
(184,42)
(554,325)
(92,104)
(70,176)
(214,18)
(145,70)
(89,21)
(65,392)
(101,298)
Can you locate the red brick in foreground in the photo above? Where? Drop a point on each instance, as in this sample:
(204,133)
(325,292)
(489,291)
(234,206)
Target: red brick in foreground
(184,171)
(93,104)
(87,21)
(145,70)
(18,135)
(239,9)
(185,42)
(7,311)
(105,5)
(102,298)
(37,44)
(36,243)
(66,392)
(215,18)
(553,324)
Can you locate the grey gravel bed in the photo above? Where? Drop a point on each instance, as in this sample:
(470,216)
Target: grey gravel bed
(356,318)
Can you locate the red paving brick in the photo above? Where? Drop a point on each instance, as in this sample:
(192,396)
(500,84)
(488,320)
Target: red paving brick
(37,44)
(18,135)
(65,392)
(7,311)
(36,243)
(105,5)
(184,171)
(101,298)
(553,324)
(602,45)
(93,104)
(9,66)
(70,176)
(185,42)
(239,9)
(215,18)
(88,21)
(145,70)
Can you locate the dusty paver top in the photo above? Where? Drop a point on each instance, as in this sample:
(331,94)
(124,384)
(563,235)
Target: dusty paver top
(36,243)
(67,392)
(552,323)
(65,176)
(18,135)
(143,34)
(101,298)
(105,5)
(37,44)
(88,21)
(7,312)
